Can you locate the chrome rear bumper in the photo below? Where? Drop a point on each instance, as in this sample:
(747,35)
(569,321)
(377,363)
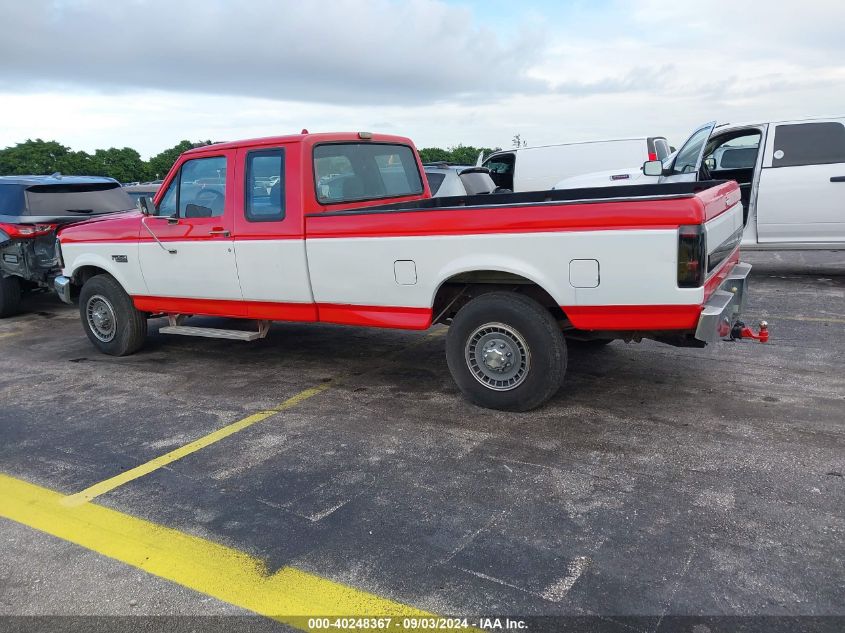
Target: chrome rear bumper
(724,306)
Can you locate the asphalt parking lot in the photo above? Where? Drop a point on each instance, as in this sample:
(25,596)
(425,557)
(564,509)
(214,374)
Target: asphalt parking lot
(659,482)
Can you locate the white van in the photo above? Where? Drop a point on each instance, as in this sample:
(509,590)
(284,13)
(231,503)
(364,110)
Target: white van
(539,168)
(791,175)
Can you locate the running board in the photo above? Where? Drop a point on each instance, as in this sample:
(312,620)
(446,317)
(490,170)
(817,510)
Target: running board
(210,332)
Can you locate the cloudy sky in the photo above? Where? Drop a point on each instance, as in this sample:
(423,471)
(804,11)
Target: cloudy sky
(148,73)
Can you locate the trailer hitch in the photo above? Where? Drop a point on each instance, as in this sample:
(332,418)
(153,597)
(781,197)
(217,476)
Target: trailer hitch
(741,331)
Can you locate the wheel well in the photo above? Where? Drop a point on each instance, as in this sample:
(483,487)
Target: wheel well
(84,273)
(459,289)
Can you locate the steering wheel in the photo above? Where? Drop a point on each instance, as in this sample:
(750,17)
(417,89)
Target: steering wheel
(208,197)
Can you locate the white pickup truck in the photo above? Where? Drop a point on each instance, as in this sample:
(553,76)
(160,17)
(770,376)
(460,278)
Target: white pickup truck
(791,175)
(342,228)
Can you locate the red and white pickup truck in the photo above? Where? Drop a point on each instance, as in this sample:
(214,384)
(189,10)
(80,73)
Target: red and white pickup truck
(341,228)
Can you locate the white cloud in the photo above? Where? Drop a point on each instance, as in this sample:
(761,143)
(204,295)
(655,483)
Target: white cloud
(358,52)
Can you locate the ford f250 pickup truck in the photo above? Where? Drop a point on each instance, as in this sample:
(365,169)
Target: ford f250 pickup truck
(341,228)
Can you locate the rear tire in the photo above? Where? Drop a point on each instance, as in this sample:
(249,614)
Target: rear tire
(109,318)
(506,351)
(10,296)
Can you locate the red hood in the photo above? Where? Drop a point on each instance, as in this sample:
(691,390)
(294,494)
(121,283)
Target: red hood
(108,228)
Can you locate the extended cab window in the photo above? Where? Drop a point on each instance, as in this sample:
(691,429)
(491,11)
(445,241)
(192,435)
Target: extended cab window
(809,144)
(265,185)
(351,172)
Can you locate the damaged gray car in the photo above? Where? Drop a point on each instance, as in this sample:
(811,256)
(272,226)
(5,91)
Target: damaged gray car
(32,208)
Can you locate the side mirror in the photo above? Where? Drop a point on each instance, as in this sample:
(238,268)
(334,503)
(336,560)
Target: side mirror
(710,163)
(145,206)
(653,168)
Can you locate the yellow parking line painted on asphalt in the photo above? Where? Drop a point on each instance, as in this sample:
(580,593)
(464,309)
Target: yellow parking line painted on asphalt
(8,334)
(804,318)
(288,595)
(92,492)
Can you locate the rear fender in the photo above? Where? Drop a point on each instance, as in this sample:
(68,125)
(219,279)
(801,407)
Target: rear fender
(563,295)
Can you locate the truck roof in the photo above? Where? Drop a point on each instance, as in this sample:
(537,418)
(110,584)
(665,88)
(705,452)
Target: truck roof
(568,143)
(300,138)
(739,124)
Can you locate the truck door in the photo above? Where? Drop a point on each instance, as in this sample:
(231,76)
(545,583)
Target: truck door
(802,183)
(270,235)
(186,250)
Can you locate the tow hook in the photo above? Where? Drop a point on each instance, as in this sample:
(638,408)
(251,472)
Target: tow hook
(741,331)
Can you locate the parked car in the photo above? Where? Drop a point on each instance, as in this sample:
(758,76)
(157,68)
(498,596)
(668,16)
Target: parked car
(31,209)
(791,175)
(539,168)
(147,189)
(513,275)
(458,180)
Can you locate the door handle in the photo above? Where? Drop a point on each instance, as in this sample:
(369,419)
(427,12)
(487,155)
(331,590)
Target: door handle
(837,179)
(222,232)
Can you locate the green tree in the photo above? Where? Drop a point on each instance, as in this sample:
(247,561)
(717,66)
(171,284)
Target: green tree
(434,155)
(160,164)
(458,154)
(124,165)
(467,154)
(33,157)
(76,164)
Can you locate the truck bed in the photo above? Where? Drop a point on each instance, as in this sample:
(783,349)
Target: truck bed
(632,193)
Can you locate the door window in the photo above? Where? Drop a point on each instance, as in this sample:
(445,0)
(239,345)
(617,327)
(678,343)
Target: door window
(265,186)
(202,188)
(686,162)
(501,169)
(809,144)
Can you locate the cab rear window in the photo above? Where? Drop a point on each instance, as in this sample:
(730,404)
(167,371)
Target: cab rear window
(354,172)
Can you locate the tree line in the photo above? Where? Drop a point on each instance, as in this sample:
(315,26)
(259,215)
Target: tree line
(125,164)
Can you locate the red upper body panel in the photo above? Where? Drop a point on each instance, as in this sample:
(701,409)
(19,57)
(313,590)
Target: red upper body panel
(303,209)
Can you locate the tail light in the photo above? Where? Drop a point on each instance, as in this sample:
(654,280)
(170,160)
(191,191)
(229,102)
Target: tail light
(692,253)
(15,231)
(652,155)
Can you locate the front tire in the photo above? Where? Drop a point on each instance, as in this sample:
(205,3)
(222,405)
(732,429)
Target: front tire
(505,351)
(10,296)
(109,317)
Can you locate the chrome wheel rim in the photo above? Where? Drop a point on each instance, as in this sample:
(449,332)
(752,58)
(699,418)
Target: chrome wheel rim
(497,356)
(101,319)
